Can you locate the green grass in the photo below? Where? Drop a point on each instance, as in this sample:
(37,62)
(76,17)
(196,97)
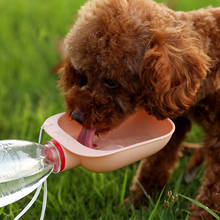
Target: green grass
(29,33)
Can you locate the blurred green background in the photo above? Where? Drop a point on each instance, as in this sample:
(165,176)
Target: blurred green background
(29,34)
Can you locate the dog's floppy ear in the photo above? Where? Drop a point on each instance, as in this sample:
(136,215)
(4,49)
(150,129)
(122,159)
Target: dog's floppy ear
(172,69)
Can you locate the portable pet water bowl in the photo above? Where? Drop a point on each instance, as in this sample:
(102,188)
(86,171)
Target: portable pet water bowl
(26,165)
(138,137)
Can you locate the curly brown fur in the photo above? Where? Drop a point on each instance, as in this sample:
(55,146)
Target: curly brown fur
(125,55)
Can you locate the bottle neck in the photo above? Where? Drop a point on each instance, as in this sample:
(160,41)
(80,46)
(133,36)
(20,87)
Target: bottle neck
(55,155)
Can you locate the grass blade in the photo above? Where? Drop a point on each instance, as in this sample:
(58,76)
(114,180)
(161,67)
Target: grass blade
(145,193)
(123,190)
(211,212)
(153,213)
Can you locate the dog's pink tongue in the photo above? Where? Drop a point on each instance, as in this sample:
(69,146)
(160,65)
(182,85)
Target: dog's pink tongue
(86,137)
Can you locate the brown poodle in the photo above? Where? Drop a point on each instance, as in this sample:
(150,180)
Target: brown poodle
(126,55)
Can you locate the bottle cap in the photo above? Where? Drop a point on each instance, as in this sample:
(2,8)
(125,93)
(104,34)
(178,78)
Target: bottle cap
(61,156)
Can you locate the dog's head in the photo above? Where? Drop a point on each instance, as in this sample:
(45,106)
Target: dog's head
(122,56)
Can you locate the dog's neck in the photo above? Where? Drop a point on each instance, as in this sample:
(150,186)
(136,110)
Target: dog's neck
(207,26)
(206,23)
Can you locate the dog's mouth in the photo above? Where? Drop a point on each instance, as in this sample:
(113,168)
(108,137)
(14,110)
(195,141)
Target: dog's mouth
(87,134)
(86,137)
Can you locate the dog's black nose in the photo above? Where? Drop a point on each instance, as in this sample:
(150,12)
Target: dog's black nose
(78,116)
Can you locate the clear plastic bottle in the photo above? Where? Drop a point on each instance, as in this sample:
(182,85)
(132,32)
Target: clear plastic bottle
(26,165)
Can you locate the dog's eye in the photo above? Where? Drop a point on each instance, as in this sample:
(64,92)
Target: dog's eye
(83,81)
(110,83)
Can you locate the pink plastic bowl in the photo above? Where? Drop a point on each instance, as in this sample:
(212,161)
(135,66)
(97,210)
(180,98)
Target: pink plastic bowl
(138,137)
